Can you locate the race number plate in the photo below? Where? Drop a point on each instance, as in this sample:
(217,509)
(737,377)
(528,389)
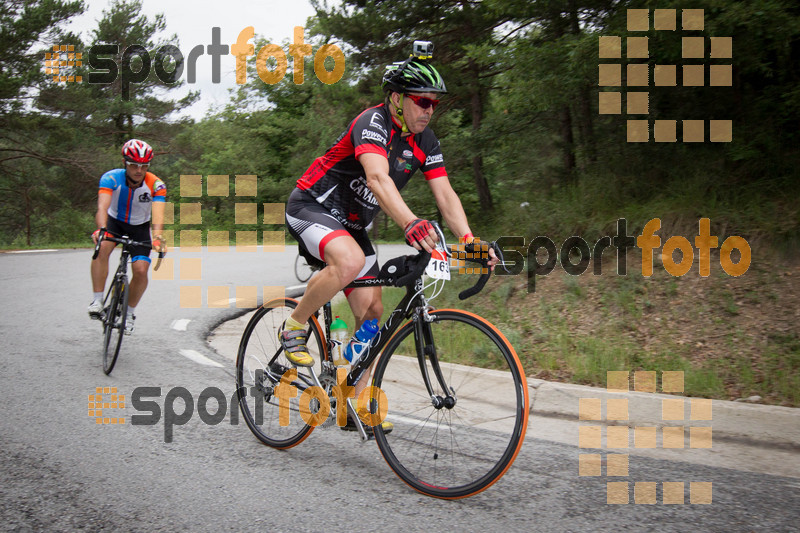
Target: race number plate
(438,267)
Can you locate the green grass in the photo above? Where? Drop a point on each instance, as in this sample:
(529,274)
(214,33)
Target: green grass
(704,383)
(391,297)
(780,368)
(573,287)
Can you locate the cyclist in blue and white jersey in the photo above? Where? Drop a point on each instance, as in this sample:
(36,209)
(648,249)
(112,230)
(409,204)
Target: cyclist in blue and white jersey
(128,199)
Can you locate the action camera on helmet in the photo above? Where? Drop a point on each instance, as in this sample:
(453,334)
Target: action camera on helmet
(422,49)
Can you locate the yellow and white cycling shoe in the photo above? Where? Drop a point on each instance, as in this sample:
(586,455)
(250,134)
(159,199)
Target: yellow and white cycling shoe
(294,345)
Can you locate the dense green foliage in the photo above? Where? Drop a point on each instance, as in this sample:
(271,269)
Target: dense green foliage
(524,143)
(57,139)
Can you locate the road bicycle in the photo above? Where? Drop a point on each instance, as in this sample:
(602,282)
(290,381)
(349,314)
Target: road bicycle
(448,380)
(115,304)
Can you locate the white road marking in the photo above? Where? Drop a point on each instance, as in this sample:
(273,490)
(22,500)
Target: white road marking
(223,303)
(30,251)
(197,357)
(181,324)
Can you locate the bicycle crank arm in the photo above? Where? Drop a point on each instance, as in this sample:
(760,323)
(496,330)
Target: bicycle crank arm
(352,412)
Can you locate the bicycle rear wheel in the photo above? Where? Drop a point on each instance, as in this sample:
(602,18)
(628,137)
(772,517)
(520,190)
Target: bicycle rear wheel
(114,324)
(456,449)
(302,271)
(260,364)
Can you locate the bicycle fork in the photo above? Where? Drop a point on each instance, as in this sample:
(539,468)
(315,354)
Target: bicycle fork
(423,337)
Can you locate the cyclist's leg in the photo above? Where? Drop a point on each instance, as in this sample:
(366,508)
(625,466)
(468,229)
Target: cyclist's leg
(99,268)
(140,261)
(342,254)
(139,268)
(99,274)
(326,239)
(366,304)
(344,260)
(100,265)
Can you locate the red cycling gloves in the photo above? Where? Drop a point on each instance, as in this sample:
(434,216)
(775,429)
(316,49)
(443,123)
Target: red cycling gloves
(96,235)
(159,244)
(417,230)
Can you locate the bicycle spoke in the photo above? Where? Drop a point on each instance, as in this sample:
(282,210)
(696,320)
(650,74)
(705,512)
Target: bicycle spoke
(260,366)
(463,441)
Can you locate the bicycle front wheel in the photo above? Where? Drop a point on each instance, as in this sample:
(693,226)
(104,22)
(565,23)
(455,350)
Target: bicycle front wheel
(114,324)
(461,436)
(260,365)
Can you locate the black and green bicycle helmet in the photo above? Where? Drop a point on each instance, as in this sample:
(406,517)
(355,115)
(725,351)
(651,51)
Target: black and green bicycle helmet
(413,74)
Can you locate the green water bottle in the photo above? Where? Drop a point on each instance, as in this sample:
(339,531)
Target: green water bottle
(339,336)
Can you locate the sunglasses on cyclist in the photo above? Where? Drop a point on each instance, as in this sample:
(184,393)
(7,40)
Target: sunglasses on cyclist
(138,165)
(423,102)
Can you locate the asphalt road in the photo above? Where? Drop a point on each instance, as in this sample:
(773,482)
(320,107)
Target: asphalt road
(62,471)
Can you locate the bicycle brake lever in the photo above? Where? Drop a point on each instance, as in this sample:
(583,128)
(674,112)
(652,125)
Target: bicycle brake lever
(100,239)
(502,259)
(442,240)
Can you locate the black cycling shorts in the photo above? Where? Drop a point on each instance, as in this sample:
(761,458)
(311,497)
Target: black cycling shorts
(139,232)
(313,226)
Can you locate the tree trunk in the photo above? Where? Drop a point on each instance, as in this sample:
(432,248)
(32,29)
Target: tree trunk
(584,104)
(586,123)
(119,133)
(28,215)
(476,102)
(568,140)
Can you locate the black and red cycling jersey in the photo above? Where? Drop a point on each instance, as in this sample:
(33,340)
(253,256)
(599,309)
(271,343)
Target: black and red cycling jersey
(337,180)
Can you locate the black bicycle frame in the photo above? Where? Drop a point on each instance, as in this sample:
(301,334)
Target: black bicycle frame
(406,309)
(121,273)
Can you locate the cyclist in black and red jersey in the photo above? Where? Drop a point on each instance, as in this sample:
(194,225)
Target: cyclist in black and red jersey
(364,170)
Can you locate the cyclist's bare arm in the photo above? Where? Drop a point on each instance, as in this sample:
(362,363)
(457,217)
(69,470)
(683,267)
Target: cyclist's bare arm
(376,168)
(450,206)
(101,217)
(157,225)
(453,212)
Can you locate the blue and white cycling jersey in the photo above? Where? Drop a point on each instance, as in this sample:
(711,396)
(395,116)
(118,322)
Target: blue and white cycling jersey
(132,206)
